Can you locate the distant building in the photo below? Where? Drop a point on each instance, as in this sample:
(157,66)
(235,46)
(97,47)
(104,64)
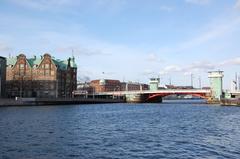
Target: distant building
(179,87)
(2,76)
(132,86)
(109,85)
(105,85)
(40,77)
(84,88)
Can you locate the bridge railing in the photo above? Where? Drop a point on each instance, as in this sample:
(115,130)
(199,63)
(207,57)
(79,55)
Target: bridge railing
(170,91)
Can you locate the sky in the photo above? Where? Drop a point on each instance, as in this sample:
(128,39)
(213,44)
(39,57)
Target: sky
(129,40)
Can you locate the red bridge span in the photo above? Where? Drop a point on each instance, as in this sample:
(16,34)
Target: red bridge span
(156,96)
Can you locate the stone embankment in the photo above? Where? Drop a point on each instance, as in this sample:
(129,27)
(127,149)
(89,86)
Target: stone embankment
(55,101)
(230,102)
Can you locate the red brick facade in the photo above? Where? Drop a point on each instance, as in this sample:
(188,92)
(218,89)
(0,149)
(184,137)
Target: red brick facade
(107,85)
(43,77)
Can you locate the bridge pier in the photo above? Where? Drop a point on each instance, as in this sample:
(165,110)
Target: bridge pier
(142,98)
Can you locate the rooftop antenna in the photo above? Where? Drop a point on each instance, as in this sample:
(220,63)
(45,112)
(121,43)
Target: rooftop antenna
(191,79)
(200,82)
(236,80)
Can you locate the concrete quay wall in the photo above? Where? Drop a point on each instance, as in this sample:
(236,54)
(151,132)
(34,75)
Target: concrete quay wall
(56,101)
(230,102)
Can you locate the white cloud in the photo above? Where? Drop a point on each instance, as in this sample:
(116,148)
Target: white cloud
(214,31)
(152,57)
(171,69)
(199,66)
(148,72)
(188,69)
(234,61)
(52,5)
(76,50)
(202,65)
(237,4)
(199,2)
(166,8)
(43,4)
(4,48)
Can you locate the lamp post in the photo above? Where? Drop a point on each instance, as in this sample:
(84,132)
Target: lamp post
(200,82)
(191,79)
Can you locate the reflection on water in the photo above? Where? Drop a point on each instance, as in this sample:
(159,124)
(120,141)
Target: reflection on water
(167,130)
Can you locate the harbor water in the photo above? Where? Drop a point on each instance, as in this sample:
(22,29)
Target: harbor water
(172,129)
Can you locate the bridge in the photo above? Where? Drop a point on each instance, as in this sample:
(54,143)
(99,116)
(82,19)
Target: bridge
(150,96)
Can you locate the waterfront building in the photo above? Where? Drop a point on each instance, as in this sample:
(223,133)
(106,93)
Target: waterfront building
(216,84)
(178,87)
(105,85)
(2,76)
(84,88)
(110,85)
(40,77)
(133,86)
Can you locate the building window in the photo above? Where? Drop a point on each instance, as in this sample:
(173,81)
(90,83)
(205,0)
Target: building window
(21,66)
(46,66)
(52,73)
(47,72)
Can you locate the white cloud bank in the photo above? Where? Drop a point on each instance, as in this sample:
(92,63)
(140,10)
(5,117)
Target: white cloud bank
(53,5)
(237,5)
(4,48)
(199,2)
(204,66)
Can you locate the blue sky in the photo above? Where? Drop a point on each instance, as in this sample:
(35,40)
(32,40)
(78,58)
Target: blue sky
(130,40)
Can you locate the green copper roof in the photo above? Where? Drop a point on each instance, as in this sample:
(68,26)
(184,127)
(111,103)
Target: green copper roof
(34,61)
(62,64)
(11,60)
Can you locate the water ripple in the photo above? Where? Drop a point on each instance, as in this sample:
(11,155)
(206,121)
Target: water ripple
(119,131)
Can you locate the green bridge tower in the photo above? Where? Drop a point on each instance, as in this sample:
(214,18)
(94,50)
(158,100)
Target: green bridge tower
(154,83)
(216,84)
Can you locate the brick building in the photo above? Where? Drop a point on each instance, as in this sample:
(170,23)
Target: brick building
(107,85)
(2,76)
(40,77)
(132,86)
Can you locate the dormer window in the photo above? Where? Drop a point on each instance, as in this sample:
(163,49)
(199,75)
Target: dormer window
(46,66)
(21,66)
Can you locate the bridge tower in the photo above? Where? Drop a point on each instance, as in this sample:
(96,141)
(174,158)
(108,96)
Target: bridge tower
(216,84)
(154,82)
